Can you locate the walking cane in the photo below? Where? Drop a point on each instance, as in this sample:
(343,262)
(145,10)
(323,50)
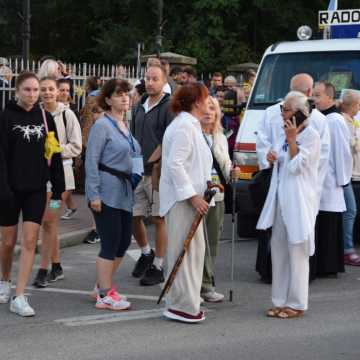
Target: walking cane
(209,194)
(232,238)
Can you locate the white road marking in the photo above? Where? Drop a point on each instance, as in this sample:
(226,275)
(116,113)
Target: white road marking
(109,318)
(113,317)
(85,292)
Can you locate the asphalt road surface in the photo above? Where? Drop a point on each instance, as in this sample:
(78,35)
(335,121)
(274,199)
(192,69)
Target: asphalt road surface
(67,325)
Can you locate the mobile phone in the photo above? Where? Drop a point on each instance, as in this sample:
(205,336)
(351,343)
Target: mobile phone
(300,117)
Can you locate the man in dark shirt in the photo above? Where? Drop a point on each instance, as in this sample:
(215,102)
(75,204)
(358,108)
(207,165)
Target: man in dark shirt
(149,121)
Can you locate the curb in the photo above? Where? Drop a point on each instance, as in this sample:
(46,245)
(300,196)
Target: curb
(72,238)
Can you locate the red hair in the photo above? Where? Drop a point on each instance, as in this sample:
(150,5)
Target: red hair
(186,96)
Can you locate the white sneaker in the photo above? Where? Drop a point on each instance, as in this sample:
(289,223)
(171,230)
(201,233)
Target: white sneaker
(112,301)
(212,296)
(20,305)
(5,291)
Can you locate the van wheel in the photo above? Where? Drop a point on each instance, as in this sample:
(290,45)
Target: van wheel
(246,227)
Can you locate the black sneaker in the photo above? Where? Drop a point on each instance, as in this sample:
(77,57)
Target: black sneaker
(143,263)
(92,237)
(152,276)
(41,279)
(56,273)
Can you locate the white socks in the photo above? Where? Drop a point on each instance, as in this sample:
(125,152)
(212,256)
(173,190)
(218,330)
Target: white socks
(158,262)
(146,250)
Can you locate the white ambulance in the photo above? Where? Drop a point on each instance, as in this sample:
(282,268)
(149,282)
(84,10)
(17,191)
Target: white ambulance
(337,61)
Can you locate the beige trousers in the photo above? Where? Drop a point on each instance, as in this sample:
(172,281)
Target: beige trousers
(184,295)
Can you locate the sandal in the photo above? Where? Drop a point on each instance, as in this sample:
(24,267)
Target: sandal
(273,312)
(352,259)
(289,313)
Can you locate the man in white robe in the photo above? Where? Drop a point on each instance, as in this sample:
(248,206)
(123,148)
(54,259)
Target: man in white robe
(330,251)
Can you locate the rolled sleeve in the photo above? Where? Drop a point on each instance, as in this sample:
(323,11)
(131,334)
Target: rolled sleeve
(95,147)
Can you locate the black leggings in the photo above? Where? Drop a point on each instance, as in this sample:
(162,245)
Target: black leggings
(114,228)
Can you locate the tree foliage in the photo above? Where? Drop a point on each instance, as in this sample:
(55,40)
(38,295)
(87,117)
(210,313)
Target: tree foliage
(217,32)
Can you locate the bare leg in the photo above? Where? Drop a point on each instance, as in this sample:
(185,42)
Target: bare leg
(139,231)
(104,269)
(160,236)
(28,244)
(117,263)
(7,245)
(69,201)
(50,235)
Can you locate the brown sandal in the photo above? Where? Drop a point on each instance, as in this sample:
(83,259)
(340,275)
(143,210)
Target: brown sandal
(273,312)
(289,313)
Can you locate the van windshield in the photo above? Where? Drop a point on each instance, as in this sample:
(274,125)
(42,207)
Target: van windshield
(342,69)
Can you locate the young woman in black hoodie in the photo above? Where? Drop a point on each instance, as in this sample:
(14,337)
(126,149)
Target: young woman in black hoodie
(24,172)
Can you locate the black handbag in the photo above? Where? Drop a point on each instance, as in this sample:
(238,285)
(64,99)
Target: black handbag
(259,188)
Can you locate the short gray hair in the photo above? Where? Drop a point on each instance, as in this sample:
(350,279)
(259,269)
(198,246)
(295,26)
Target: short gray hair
(349,96)
(298,101)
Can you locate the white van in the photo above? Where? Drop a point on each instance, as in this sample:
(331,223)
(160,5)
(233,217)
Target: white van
(337,61)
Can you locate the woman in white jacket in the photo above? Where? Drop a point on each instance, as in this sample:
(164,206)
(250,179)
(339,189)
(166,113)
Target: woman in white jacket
(185,170)
(290,209)
(69,133)
(217,142)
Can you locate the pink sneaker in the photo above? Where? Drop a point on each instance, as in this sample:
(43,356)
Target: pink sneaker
(112,301)
(94,294)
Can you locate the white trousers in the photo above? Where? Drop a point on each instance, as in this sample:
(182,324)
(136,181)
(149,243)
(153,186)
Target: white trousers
(290,268)
(184,294)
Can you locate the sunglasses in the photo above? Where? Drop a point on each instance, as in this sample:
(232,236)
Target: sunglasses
(284,109)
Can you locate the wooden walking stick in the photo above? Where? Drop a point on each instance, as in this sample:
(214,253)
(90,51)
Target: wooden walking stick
(209,194)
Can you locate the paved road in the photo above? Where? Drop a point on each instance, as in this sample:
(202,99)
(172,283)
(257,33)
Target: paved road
(67,326)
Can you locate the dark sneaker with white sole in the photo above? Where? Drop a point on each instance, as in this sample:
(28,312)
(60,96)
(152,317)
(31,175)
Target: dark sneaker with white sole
(152,276)
(92,237)
(56,273)
(41,279)
(143,263)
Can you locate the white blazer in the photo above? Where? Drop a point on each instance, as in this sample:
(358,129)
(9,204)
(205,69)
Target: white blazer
(294,185)
(340,165)
(271,135)
(186,162)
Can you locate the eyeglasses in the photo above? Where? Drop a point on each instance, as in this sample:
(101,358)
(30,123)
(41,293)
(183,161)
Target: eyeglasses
(96,111)
(283,109)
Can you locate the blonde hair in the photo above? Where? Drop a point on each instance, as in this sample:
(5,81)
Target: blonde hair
(6,72)
(48,68)
(217,127)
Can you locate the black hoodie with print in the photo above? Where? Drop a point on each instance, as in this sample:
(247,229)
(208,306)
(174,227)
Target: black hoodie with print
(23,166)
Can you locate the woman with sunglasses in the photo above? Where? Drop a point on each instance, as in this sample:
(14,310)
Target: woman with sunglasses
(291,207)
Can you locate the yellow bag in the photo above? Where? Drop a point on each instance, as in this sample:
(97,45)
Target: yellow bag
(52,145)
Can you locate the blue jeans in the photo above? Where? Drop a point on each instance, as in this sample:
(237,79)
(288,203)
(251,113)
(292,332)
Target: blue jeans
(348,219)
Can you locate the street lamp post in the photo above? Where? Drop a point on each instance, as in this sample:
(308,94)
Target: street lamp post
(26,35)
(159,37)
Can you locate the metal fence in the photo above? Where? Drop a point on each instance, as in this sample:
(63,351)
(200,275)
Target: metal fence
(78,73)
